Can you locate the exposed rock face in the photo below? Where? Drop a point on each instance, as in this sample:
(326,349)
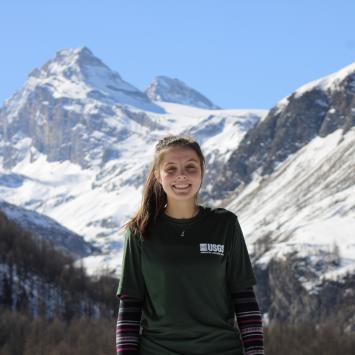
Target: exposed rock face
(281,294)
(66,106)
(314,111)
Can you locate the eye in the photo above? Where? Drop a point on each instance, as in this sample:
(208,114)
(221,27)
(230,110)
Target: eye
(189,167)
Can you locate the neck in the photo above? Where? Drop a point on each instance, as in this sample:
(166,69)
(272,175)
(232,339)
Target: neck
(182,211)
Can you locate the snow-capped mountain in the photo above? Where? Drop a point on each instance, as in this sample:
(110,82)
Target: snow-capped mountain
(168,89)
(69,110)
(300,157)
(83,160)
(288,172)
(306,206)
(292,181)
(314,110)
(294,173)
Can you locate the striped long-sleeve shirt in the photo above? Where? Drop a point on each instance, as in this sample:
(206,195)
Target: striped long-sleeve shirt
(249,321)
(128,325)
(246,309)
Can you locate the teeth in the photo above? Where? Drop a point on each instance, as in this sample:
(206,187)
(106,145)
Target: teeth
(181,186)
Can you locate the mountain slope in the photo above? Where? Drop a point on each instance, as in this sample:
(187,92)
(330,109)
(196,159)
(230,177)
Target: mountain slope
(39,280)
(306,206)
(292,183)
(316,109)
(45,228)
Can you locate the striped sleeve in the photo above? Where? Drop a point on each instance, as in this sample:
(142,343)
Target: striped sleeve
(128,325)
(249,321)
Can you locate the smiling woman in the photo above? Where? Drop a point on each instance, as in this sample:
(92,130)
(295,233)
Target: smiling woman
(180,176)
(186,272)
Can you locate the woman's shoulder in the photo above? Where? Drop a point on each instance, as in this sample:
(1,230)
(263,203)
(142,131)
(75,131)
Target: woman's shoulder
(132,234)
(220,211)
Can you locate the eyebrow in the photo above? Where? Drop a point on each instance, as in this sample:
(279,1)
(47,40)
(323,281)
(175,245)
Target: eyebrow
(171,162)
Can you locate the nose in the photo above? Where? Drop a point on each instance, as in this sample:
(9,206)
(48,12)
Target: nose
(181,177)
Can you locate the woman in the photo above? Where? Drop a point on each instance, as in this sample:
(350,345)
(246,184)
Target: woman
(186,267)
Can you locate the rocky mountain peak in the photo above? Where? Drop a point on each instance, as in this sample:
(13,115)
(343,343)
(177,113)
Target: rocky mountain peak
(341,80)
(80,65)
(71,96)
(77,74)
(166,89)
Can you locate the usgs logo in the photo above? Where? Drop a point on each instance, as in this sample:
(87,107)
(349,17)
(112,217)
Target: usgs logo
(209,248)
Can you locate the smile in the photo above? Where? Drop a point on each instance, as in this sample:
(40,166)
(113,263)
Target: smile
(181,187)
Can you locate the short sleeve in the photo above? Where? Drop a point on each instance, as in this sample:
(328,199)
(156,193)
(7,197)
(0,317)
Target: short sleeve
(240,273)
(131,280)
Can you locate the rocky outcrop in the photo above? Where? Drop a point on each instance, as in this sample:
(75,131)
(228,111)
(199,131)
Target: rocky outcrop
(282,295)
(289,126)
(73,108)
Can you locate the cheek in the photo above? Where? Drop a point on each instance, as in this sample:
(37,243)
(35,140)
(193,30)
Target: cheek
(166,177)
(196,175)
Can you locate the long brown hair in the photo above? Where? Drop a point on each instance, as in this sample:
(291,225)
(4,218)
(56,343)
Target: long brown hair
(154,197)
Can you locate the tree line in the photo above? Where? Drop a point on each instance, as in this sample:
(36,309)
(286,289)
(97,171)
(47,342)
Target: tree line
(22,335)
(38,265)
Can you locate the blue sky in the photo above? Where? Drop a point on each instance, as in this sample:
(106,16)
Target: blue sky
(240,54)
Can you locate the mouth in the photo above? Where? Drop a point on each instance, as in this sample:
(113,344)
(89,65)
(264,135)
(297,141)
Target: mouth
(182,187)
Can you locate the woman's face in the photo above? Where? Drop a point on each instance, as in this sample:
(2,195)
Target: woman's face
(180,173)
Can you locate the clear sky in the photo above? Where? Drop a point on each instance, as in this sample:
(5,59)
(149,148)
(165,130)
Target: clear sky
(239,53)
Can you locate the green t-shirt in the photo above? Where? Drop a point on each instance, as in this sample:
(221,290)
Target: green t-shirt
(186,283)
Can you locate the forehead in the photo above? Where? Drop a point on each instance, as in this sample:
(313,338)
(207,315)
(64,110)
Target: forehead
(174,155)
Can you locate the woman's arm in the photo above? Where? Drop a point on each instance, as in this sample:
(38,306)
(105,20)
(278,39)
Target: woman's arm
(128,325)
(249,321)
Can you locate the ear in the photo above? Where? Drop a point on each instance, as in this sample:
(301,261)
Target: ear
(157,175)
